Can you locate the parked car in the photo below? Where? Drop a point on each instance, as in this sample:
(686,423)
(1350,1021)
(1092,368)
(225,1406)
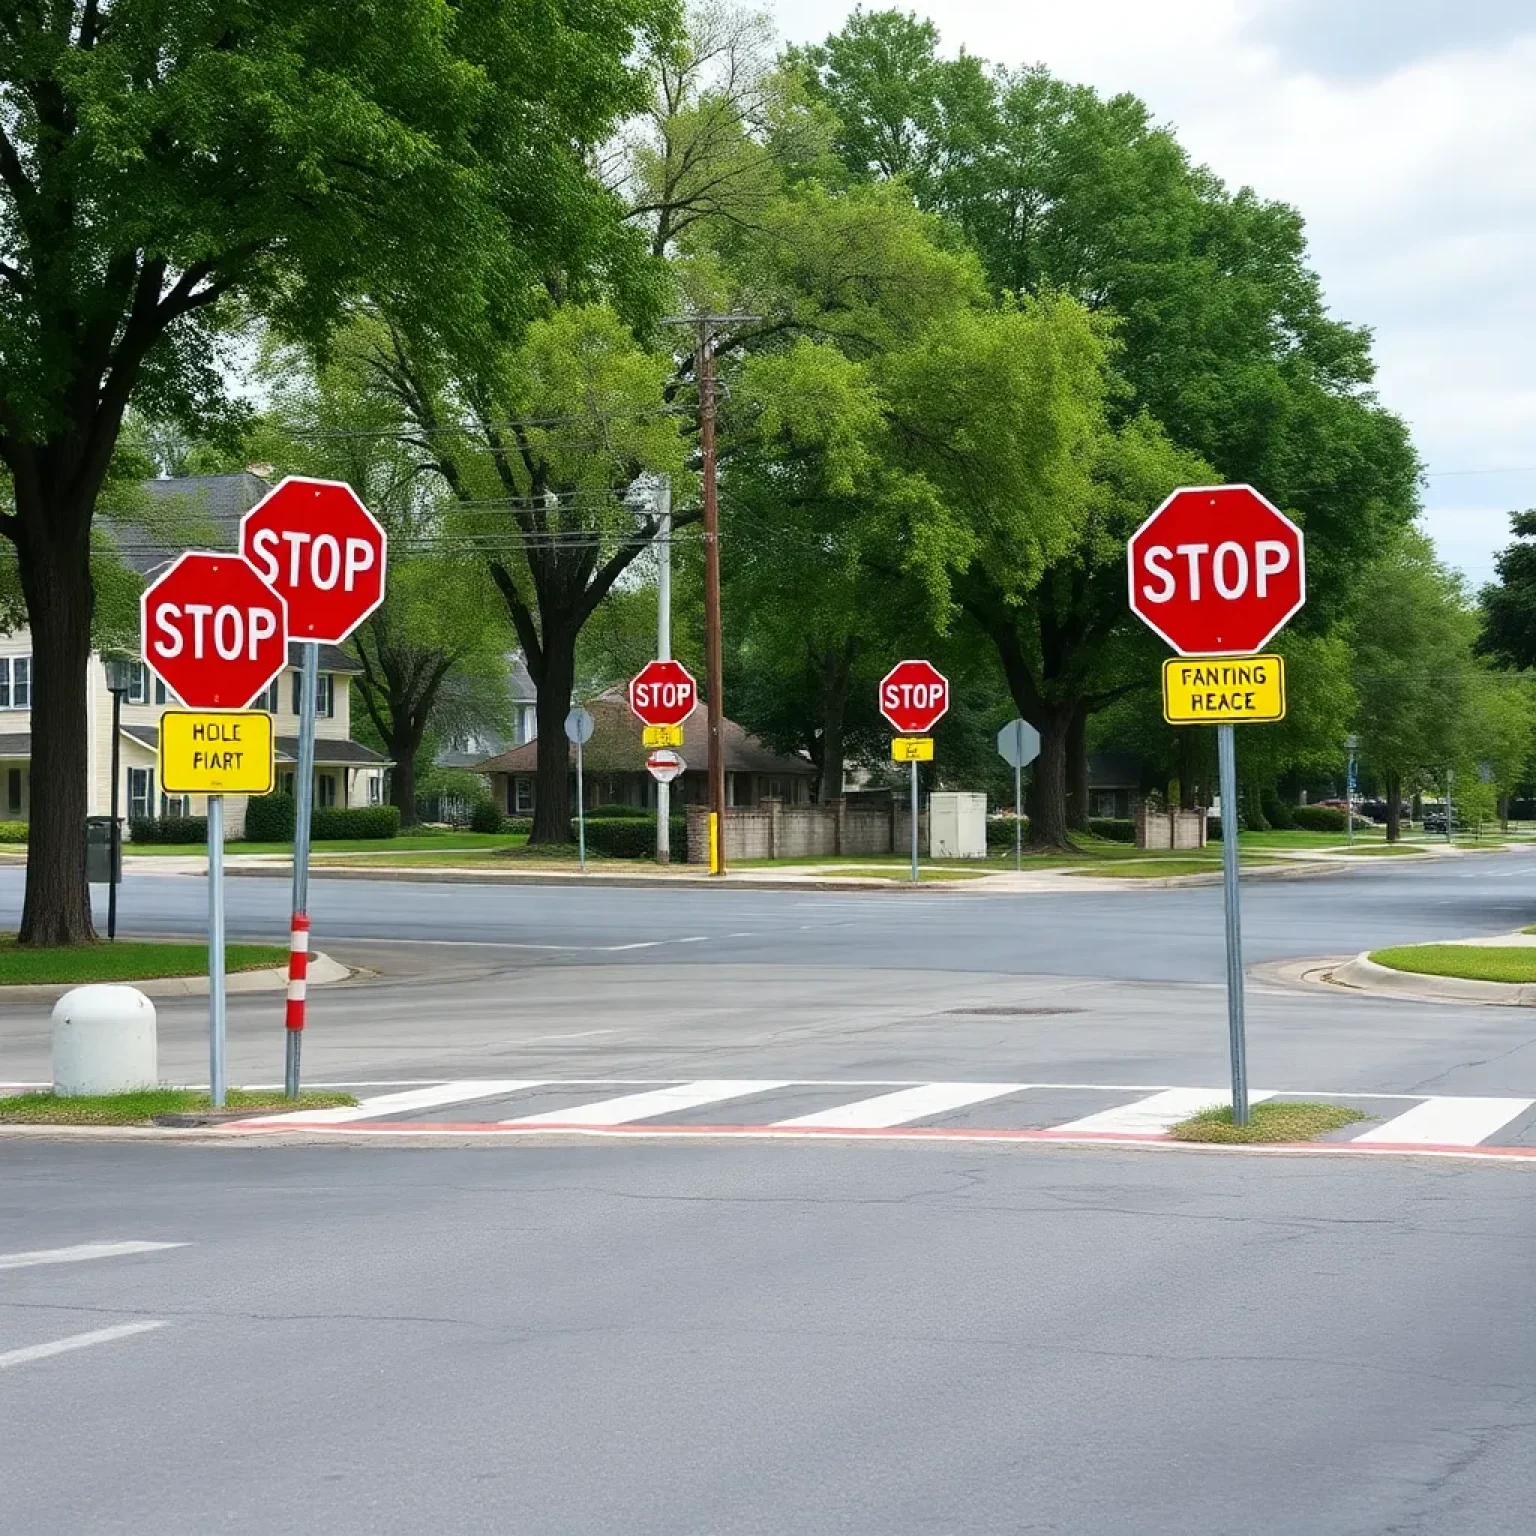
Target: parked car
(1434,820)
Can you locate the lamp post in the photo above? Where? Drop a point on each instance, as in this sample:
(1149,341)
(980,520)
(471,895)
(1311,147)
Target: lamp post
(120,674)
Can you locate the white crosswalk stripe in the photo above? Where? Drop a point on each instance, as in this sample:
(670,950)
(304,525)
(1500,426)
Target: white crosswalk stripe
(1447,1122)
(905,1105)
(647,1106)
(399,1103)
(1157,1112)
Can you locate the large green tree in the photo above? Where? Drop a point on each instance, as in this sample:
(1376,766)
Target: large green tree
(163,167)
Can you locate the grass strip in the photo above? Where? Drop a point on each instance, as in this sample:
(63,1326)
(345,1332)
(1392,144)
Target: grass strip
(141,1108)
(1469,962)
(125,960)
(1273,1122)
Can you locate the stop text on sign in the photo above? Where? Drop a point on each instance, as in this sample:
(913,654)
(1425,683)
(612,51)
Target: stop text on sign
(1226,569)
(230,632)
(913,697)
(667,696)
(663,693)
(318,559)
(910,696)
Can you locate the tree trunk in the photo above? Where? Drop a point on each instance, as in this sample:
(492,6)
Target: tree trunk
(836,668)
(1254,819)
(402,784)
(1077,769)
(552,774)
(1048,790)
(1394,782)
(56,582)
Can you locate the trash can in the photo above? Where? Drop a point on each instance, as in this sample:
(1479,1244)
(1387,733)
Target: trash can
(100,866)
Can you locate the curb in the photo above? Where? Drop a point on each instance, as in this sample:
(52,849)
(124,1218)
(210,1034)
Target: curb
(1364,975)
(272,978)
(580,882)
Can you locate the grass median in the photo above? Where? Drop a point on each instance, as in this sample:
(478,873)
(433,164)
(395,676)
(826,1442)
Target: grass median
(1269,1122)
(147,1106)
(1466,962)
(124,960)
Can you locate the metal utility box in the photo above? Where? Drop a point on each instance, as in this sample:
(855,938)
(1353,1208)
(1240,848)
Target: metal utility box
(957,825)
(100,867)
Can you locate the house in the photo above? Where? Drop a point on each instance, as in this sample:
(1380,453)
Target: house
(346,772)
(615,772)
(471,750)
(1114,784)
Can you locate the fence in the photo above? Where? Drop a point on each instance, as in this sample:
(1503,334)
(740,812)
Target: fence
(773,830)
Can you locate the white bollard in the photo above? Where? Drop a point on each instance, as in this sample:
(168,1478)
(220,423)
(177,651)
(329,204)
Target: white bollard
(104,1041)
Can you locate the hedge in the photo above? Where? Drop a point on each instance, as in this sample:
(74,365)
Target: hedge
(13,831)
(363,821)
(621,813)
(484,817)
(1318,818)
(168,829)
(269,819)
(512,825)
(1114,829)
(1000,831)
(631,837)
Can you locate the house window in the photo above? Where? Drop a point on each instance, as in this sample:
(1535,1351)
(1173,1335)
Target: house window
(325,790)
(138,684)
(13,791)
(325,695)
(175,805)
(375,789)
(164,695)
(141,792)
(522,796)
(285,781)
(15,682)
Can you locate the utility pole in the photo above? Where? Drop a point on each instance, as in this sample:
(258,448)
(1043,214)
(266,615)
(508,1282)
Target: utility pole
(664,646)
(705,328)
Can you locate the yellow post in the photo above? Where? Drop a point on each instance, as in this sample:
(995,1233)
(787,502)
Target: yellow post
(714,842)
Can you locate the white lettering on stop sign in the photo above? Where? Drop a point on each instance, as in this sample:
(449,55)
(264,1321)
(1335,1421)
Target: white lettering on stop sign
(663,695)
(231,632)
(1229,567)
(318,561)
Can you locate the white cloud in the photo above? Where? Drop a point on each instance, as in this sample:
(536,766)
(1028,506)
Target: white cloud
(1401,130)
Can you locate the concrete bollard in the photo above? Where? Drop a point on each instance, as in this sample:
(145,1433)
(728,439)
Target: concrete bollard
(104,1041)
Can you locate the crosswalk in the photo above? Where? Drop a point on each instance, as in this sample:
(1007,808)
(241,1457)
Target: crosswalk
(788,1108)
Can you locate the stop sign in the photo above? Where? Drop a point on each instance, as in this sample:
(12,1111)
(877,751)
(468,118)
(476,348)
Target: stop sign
(1217,570)
(318,545)
(213,631)
(913,697)
(663,693)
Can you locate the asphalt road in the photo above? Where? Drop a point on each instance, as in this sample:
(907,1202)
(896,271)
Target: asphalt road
(758,1340)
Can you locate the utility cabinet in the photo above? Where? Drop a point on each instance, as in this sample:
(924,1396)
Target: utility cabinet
(957,825)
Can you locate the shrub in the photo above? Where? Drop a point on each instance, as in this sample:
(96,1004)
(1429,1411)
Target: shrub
(1213,829)
(621,813)
(269,819)
(13,831)
(1114,829)
(1000,831)
(364,821)
(1318,818)
(633,837)
(514,825)
(1277,813)
(168,829)
(485,817)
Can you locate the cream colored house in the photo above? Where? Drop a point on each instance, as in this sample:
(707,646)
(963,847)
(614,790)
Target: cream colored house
(346,772)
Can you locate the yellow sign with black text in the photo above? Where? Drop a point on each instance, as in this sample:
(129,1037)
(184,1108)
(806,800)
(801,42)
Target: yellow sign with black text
(215,752)
(911,749)
(1223,690)
(662,736)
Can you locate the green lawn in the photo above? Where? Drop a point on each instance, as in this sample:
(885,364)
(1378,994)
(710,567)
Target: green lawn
(1159,867)
(126,960)
(1359,851)
(1266,1122)
(904,871)
(1471,962)
(141,1108)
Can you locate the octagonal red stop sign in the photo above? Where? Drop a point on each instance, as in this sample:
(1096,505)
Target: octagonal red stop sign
(318,545)
(914,696)
(663,693)
(213,631)
(1217,570)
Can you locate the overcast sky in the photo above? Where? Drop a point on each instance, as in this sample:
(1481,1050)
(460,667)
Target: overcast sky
(1403,130)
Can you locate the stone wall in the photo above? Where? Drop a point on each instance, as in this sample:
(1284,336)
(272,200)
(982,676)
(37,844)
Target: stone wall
(773,830)
(1170,829)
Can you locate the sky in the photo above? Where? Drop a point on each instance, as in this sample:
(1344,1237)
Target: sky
(1403,131)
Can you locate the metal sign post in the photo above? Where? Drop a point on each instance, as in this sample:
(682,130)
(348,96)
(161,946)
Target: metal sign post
(303,816)
(579,726)
(914,820)
(1226,752)
(216,950)
(1018,743)
(1351,742)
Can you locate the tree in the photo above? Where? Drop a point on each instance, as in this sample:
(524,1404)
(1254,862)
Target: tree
(161,164)
(1509,604)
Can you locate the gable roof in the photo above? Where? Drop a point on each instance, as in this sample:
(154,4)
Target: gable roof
(212,504)
(616,745)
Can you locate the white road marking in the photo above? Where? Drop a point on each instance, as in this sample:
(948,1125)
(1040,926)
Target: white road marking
(395,1103)
(646,1106)
(1156,1113)
(78,1253)
(74,1341)
(905,1105)
(1448,1122)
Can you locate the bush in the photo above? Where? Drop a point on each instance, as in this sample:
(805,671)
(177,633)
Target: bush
(1318,818)
(515,825)
(1213,829)
(13,831)
(633,837)
(621,813)
(269,819)
(1114,829)
(1277,813)
(168,829)
(485,817)
(364,821)
(1000,831)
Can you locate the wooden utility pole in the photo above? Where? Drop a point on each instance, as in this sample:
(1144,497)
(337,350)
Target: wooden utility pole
(705,329)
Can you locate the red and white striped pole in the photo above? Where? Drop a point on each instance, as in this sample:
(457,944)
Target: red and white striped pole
(298,985)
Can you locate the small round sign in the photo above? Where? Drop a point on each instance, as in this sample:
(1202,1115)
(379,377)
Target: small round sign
(664,765)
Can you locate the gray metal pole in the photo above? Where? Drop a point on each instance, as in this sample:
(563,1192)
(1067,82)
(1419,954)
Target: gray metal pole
(1018,809)
(216,950)
(664,647)
(1226,749)
(115,843)
(304,799)
(581,812)
(1450,809)
(914,821)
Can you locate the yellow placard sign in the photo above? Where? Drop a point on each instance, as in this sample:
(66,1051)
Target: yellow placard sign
(1223,690)
(912,749)
(662,736)
(215,752)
